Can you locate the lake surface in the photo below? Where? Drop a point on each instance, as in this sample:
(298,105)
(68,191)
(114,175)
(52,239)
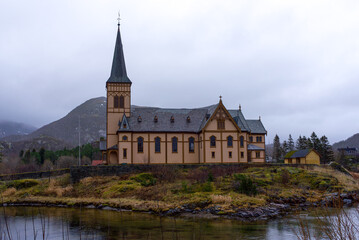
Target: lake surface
(75,223)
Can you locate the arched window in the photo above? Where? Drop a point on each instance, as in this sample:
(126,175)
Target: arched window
(174,144)
(115,102)
(241,139)
(229,141)
(140,144)
(213,141)
(191,144)
(122,102)
(157,145)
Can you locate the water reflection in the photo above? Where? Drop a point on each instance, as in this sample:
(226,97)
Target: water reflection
(65,223)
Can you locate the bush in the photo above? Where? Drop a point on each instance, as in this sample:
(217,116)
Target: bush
(285,176)
(244,184)
(21,184)
(207,187)
(145,179)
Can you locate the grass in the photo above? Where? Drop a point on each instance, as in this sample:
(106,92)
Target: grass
(197,189)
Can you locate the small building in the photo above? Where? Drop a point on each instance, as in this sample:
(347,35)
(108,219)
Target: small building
(304,156)
(349,151)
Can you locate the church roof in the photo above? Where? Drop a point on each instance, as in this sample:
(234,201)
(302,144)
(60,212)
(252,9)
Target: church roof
(256,126)
(152,119)
(298,153)
(118,71)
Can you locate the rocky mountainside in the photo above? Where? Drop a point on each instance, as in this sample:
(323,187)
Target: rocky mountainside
(92,116)
(8,128)
(353,141)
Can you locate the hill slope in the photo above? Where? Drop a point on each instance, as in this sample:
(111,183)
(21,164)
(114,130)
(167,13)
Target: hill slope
(353,141)
(92,115)
(8,128)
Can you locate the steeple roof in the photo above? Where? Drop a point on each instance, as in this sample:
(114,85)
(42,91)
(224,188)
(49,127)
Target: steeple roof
(118,71)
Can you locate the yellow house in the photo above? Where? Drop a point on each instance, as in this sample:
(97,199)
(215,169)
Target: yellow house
(305,156)
(151,135)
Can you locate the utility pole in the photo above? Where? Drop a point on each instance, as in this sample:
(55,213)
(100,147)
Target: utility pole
(79,142)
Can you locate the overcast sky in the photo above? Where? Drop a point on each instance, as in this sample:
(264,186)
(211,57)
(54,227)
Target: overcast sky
(294,63)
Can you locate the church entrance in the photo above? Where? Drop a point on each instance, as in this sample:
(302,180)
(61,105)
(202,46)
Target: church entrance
(113,157)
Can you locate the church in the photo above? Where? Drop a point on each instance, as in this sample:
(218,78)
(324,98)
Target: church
(151,135)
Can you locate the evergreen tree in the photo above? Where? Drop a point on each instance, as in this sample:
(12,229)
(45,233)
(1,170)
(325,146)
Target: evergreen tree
(21,153)
(277,153)
(301,143)
(42,155)
(308,143)
(326,151)
(290,143)
(315,142)
(285,148)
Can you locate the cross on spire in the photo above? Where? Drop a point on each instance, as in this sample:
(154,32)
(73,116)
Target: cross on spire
(118,19)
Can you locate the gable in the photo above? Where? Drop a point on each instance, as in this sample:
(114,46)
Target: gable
(221,116)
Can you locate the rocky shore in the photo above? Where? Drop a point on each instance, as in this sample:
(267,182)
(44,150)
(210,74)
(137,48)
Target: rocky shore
(277,208)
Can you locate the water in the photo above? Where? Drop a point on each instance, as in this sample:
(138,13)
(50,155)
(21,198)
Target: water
(66,223)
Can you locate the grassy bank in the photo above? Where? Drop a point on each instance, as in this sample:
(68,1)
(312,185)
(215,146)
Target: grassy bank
(164,189)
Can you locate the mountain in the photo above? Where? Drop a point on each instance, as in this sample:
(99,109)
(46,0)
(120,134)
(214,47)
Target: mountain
(8,128)
(49,143)
(92,116)
(353,141)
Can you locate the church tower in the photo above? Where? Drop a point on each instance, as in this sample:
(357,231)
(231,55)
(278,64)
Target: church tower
(118,88)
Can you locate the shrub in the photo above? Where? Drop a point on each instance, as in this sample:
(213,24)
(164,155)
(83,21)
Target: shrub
(210,177)
(207,187)
(145,179)
(244,184)
(285,176)
(21,184)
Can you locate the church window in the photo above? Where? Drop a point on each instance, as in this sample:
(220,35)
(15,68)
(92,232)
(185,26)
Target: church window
(157,145)
(174,144)
(220,124)
(140,144)
(230,154)
(259,139)
(250,139)
(213,141)
(125,153)
(241,140)
(229,141)
(191,144)
(213,154)
(242,154)
(122,102)
(124,138)
(258,154)
(115,102)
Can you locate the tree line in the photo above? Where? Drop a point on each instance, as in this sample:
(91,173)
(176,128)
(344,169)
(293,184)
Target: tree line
(321,145)
(39,157)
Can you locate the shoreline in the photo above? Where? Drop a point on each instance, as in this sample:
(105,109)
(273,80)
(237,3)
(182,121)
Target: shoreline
(272,210)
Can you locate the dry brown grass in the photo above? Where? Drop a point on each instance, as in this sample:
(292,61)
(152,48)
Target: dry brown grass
(9,192)
(349,183)
(221,199)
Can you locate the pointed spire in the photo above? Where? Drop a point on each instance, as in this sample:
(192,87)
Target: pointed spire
(118,72)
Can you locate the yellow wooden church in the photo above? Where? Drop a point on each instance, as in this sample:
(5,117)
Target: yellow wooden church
(151,135)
